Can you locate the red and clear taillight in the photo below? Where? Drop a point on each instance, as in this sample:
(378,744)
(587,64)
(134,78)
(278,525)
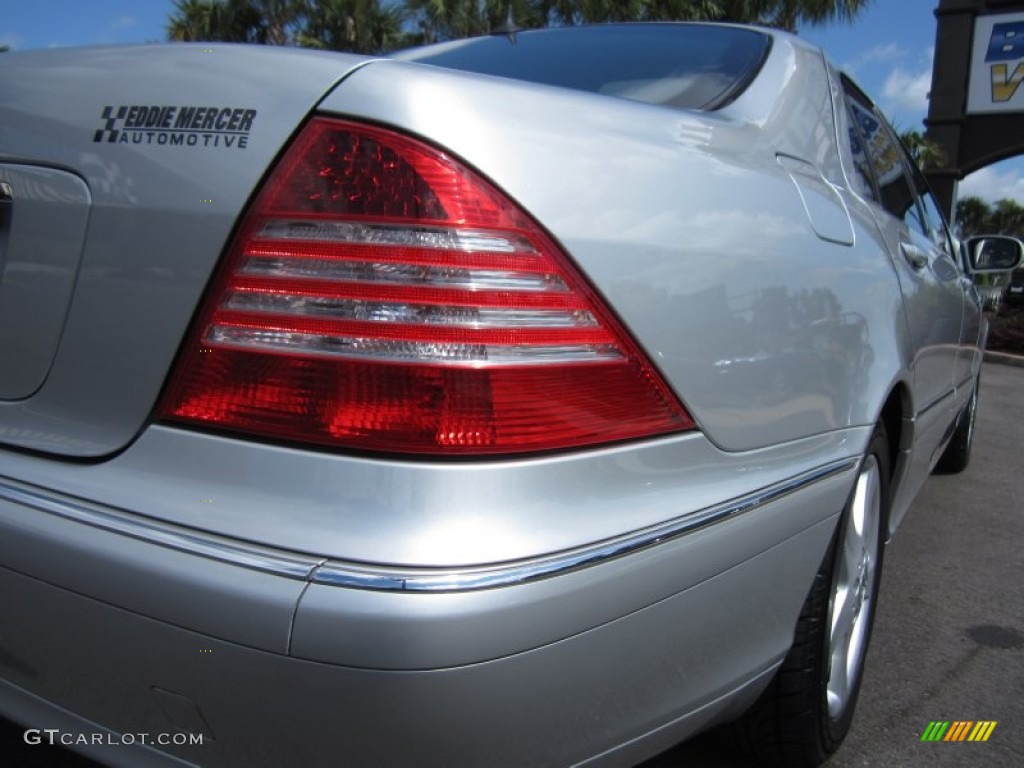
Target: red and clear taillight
(380,295)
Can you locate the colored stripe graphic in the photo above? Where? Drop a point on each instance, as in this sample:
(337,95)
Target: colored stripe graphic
(982,730)
(958,730)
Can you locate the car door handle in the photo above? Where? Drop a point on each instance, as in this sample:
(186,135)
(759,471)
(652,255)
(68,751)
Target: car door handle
(916,257)
(6,206)
(6,197)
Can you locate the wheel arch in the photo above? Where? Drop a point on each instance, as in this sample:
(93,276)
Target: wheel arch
(897,416)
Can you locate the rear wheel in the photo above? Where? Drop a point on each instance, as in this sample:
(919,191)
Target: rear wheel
(806,711)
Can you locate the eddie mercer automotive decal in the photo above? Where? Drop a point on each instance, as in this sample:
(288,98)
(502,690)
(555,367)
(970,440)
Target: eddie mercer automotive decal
(177,126)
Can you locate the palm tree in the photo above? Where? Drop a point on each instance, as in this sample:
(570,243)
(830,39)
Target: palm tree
(369,26)
(681,10)
(439,20)
(229,21)
(973,217)
(789,14)
(926,153)
(786,14)
(362,26)
(344,25)
(593,11)
(280,20)
(1008,218)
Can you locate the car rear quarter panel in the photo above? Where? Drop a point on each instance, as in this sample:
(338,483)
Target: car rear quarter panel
(692,228)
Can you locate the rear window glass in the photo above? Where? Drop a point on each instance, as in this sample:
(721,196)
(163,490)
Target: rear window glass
(691,66)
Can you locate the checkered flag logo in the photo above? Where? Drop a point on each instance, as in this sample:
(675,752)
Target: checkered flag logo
(110,131)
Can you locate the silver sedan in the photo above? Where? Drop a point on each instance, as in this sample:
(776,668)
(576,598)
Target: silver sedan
(531,400)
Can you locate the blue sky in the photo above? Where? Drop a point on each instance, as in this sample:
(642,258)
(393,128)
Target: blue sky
(888,51)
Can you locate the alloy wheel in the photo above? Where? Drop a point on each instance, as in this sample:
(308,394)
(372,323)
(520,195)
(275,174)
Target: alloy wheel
(853,588)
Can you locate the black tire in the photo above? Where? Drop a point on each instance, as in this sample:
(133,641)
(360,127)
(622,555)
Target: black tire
(957,455)
(805,713)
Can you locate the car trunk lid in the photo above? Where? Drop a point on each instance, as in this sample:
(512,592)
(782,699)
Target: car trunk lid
(141,160)
(43,215)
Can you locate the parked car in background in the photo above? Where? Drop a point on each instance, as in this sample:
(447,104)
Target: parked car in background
(530,401)
(995,289)
(1015,290)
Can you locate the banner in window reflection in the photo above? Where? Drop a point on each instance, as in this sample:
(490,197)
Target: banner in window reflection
(882,154)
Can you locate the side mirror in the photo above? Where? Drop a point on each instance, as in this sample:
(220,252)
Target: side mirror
(993,253)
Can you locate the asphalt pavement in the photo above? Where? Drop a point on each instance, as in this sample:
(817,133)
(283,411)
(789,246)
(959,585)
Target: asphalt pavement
(949,634)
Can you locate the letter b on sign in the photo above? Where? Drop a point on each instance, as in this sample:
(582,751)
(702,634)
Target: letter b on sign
(1006,43)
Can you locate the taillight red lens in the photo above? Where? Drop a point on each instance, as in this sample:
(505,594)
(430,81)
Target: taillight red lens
(379,295)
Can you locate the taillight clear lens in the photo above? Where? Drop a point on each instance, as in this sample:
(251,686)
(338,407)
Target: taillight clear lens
(379,295)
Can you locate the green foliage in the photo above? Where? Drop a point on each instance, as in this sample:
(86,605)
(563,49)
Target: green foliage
(438,20)
(926,153)
(786,14)
(571,12)
(789,14)
(976,217)
(1008,218)
(373,26)
(229,21)
(363,26)
(972,216)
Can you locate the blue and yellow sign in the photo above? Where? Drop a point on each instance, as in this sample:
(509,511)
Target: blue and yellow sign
(997,64)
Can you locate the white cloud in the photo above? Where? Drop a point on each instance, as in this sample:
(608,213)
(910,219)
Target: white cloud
(878,54)
(115,30)
(994,183)
(908,90)
(124,22)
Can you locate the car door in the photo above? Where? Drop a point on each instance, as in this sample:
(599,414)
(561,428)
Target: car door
(921,251)
(969,355)
(956,285)
(930,281)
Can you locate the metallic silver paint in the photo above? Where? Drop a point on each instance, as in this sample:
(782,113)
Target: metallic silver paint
(752,299)
(194,543)
(159,218)
(303,713)
(415,514)
(771,296)
(344,575)
(42,232)
(322,571)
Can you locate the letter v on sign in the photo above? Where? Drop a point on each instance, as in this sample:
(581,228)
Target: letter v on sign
(1004,84)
